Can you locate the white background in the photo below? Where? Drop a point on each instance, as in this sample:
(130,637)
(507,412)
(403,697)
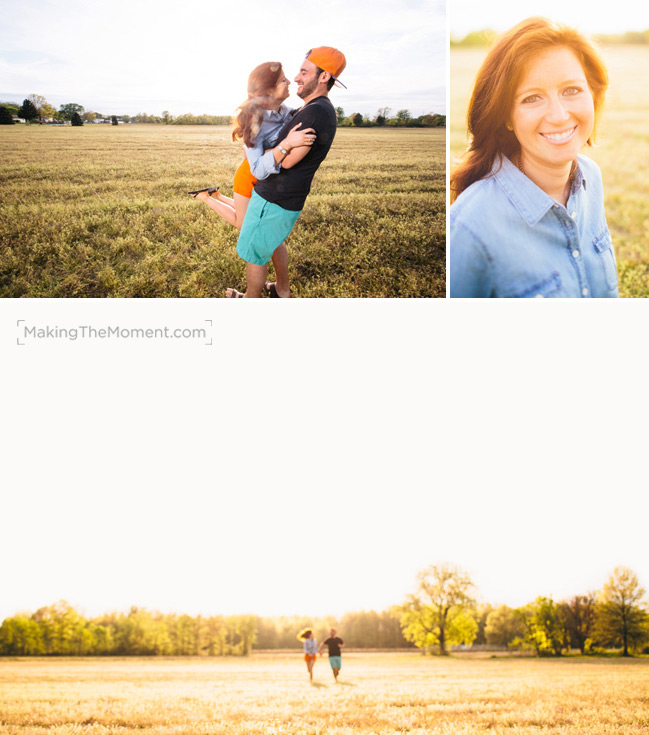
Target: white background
(319,453)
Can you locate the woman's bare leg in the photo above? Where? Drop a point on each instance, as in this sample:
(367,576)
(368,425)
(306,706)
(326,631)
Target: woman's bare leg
(234,213)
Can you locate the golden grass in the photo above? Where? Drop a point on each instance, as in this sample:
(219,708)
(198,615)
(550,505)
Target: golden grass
(378,694)
(102,211)
(622,152)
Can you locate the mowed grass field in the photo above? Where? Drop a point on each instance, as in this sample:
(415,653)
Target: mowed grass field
(102,211)
(622,151)
(377,694)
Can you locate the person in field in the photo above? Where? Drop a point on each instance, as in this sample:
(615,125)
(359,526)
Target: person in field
(310,649)
(277,201)
(258,123)
(335,646)
(528,216)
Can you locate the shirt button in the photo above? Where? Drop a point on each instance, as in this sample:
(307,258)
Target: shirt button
(573,214)
(539,296)
(575,253)
(584,292)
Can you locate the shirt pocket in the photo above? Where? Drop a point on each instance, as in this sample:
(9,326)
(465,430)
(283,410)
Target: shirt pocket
(604,247)
(547,288)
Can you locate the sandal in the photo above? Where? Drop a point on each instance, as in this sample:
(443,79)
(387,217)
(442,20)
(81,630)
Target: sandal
(211,190)
(234,295)
(271,290)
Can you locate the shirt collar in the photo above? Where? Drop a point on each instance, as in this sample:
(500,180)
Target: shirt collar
(531,202)
(275,114)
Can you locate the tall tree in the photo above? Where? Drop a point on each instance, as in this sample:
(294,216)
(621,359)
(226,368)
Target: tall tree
(503,626)
(621,611)
(545,628)
(403,117)
(76,119)
(42,105)
(579,613)
(382,115)
(437,615)
(68,110)
(6,117)
(28,111)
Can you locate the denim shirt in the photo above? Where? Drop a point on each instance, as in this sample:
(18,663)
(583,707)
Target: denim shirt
(262,165)
(508,238)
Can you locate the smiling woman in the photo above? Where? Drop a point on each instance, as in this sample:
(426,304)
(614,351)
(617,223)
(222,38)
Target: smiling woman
(528,218)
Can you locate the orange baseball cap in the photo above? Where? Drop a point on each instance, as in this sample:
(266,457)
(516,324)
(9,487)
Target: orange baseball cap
(328,59)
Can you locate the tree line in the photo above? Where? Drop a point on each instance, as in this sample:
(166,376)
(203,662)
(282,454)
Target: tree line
(35,108)
(443,613)
(440,614)
(60,630)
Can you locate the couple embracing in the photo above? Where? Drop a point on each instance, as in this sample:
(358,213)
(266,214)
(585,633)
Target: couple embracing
(284,149)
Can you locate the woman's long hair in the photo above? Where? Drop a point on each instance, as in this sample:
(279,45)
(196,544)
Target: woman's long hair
(262,81)
(495,88)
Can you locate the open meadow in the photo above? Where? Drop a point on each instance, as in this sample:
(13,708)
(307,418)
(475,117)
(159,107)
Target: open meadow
(102,211)
(622,151)
(378,693)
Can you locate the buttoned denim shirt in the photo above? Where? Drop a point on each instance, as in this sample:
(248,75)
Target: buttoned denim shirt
(262,165)
(508,238)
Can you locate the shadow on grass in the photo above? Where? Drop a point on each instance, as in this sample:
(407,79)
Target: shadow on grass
(318,685)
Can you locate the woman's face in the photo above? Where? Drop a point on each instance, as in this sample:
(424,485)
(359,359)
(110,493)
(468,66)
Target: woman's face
(280,93)
(553,113)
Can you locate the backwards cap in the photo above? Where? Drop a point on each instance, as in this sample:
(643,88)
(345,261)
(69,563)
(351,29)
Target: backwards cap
(328,59)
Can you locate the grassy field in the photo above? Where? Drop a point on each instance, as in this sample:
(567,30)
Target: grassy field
(622,152)
(102,211)
(376,695)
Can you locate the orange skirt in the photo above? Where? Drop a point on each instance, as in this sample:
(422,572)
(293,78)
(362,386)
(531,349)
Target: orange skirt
(244,180)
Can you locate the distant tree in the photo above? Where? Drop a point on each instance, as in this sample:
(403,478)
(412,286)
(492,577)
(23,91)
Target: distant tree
(20,636)
(436,615)
(5,116)
(403,117)
(89,116)
(545,627)
(113,120)
(68,110)
(477,38)
(579,614)
(76,119)
(382,115)
(340,115)
(503,626)
(28,111)
(42,105)
(621,611)
(480,614)
(431,120)
(12,107)
(357,118)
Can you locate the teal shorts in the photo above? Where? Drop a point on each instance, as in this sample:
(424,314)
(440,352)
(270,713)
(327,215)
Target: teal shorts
(336,662)
(265,227)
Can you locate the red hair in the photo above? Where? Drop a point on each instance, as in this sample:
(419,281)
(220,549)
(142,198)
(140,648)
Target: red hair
(262,81)
(495,87)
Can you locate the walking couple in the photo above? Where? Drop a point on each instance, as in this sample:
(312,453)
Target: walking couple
(284,149)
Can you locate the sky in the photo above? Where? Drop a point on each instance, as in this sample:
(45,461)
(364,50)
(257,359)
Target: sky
(473,15)
(126,57)
(313,461)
